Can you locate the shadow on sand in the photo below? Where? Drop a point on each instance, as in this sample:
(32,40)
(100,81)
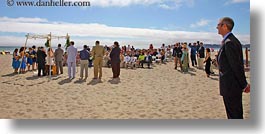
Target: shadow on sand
(94,82)
(10,75)
(114,81)
(80,81)
(32,78)
(65,81)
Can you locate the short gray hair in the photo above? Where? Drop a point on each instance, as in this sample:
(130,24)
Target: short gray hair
(229,23)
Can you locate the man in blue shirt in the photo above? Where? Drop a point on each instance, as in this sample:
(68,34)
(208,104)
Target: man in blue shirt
(84,56)
(193,53)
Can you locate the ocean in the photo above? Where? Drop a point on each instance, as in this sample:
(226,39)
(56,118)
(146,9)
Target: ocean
(217,47)
(12,48)
(8,48)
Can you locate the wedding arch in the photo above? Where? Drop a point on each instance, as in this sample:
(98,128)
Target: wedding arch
(48,44)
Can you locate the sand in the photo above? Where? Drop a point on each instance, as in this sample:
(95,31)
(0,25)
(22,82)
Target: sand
(158,93)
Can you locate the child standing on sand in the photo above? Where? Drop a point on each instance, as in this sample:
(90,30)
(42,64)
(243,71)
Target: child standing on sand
(15,62)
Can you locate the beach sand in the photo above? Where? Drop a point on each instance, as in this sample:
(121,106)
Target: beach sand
(158,93)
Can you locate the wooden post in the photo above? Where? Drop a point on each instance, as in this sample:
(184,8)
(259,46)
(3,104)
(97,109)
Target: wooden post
(246,52)
(50,70)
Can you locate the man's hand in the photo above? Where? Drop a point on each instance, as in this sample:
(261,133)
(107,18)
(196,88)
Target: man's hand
(247,89)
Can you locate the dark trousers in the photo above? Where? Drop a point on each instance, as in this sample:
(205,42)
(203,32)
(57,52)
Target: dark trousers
(207,68)
(233,106)
(115,69)
(41,67)
(90,63)
(193,59)
(142,63)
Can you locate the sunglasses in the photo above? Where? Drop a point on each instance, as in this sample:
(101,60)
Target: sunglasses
(220,24)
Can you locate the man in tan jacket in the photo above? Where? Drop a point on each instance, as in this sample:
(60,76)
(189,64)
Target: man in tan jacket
(98,53)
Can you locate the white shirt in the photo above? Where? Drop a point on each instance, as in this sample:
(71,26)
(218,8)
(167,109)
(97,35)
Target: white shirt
(127,59)
(133,59)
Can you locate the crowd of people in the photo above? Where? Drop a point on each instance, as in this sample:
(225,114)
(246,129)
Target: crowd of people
(110,56)
(38,59)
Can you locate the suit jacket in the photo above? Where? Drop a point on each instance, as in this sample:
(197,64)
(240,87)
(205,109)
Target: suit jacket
(148,58)
(71,54)
(201,52)
(231,67)
(98,51)
(177,52)
(115,55)
(58,54)
(41,58)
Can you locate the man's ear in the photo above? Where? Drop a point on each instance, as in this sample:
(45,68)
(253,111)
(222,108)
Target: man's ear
(225,27)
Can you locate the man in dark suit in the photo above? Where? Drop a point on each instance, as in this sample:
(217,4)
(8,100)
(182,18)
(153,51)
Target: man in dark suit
(41,55)
(148,59)
(177,53)
(231,70)
(115,60)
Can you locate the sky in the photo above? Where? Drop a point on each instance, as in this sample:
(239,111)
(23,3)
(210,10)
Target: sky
(135,22)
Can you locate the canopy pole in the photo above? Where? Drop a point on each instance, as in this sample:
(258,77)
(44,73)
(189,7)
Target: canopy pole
(50,39)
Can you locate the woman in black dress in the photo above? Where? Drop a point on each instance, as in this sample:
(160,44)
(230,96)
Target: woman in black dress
(208,62)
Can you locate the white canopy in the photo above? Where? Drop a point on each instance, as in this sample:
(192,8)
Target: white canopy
(49,37)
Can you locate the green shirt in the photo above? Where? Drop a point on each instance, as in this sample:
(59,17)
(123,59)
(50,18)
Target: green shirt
(141,57)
